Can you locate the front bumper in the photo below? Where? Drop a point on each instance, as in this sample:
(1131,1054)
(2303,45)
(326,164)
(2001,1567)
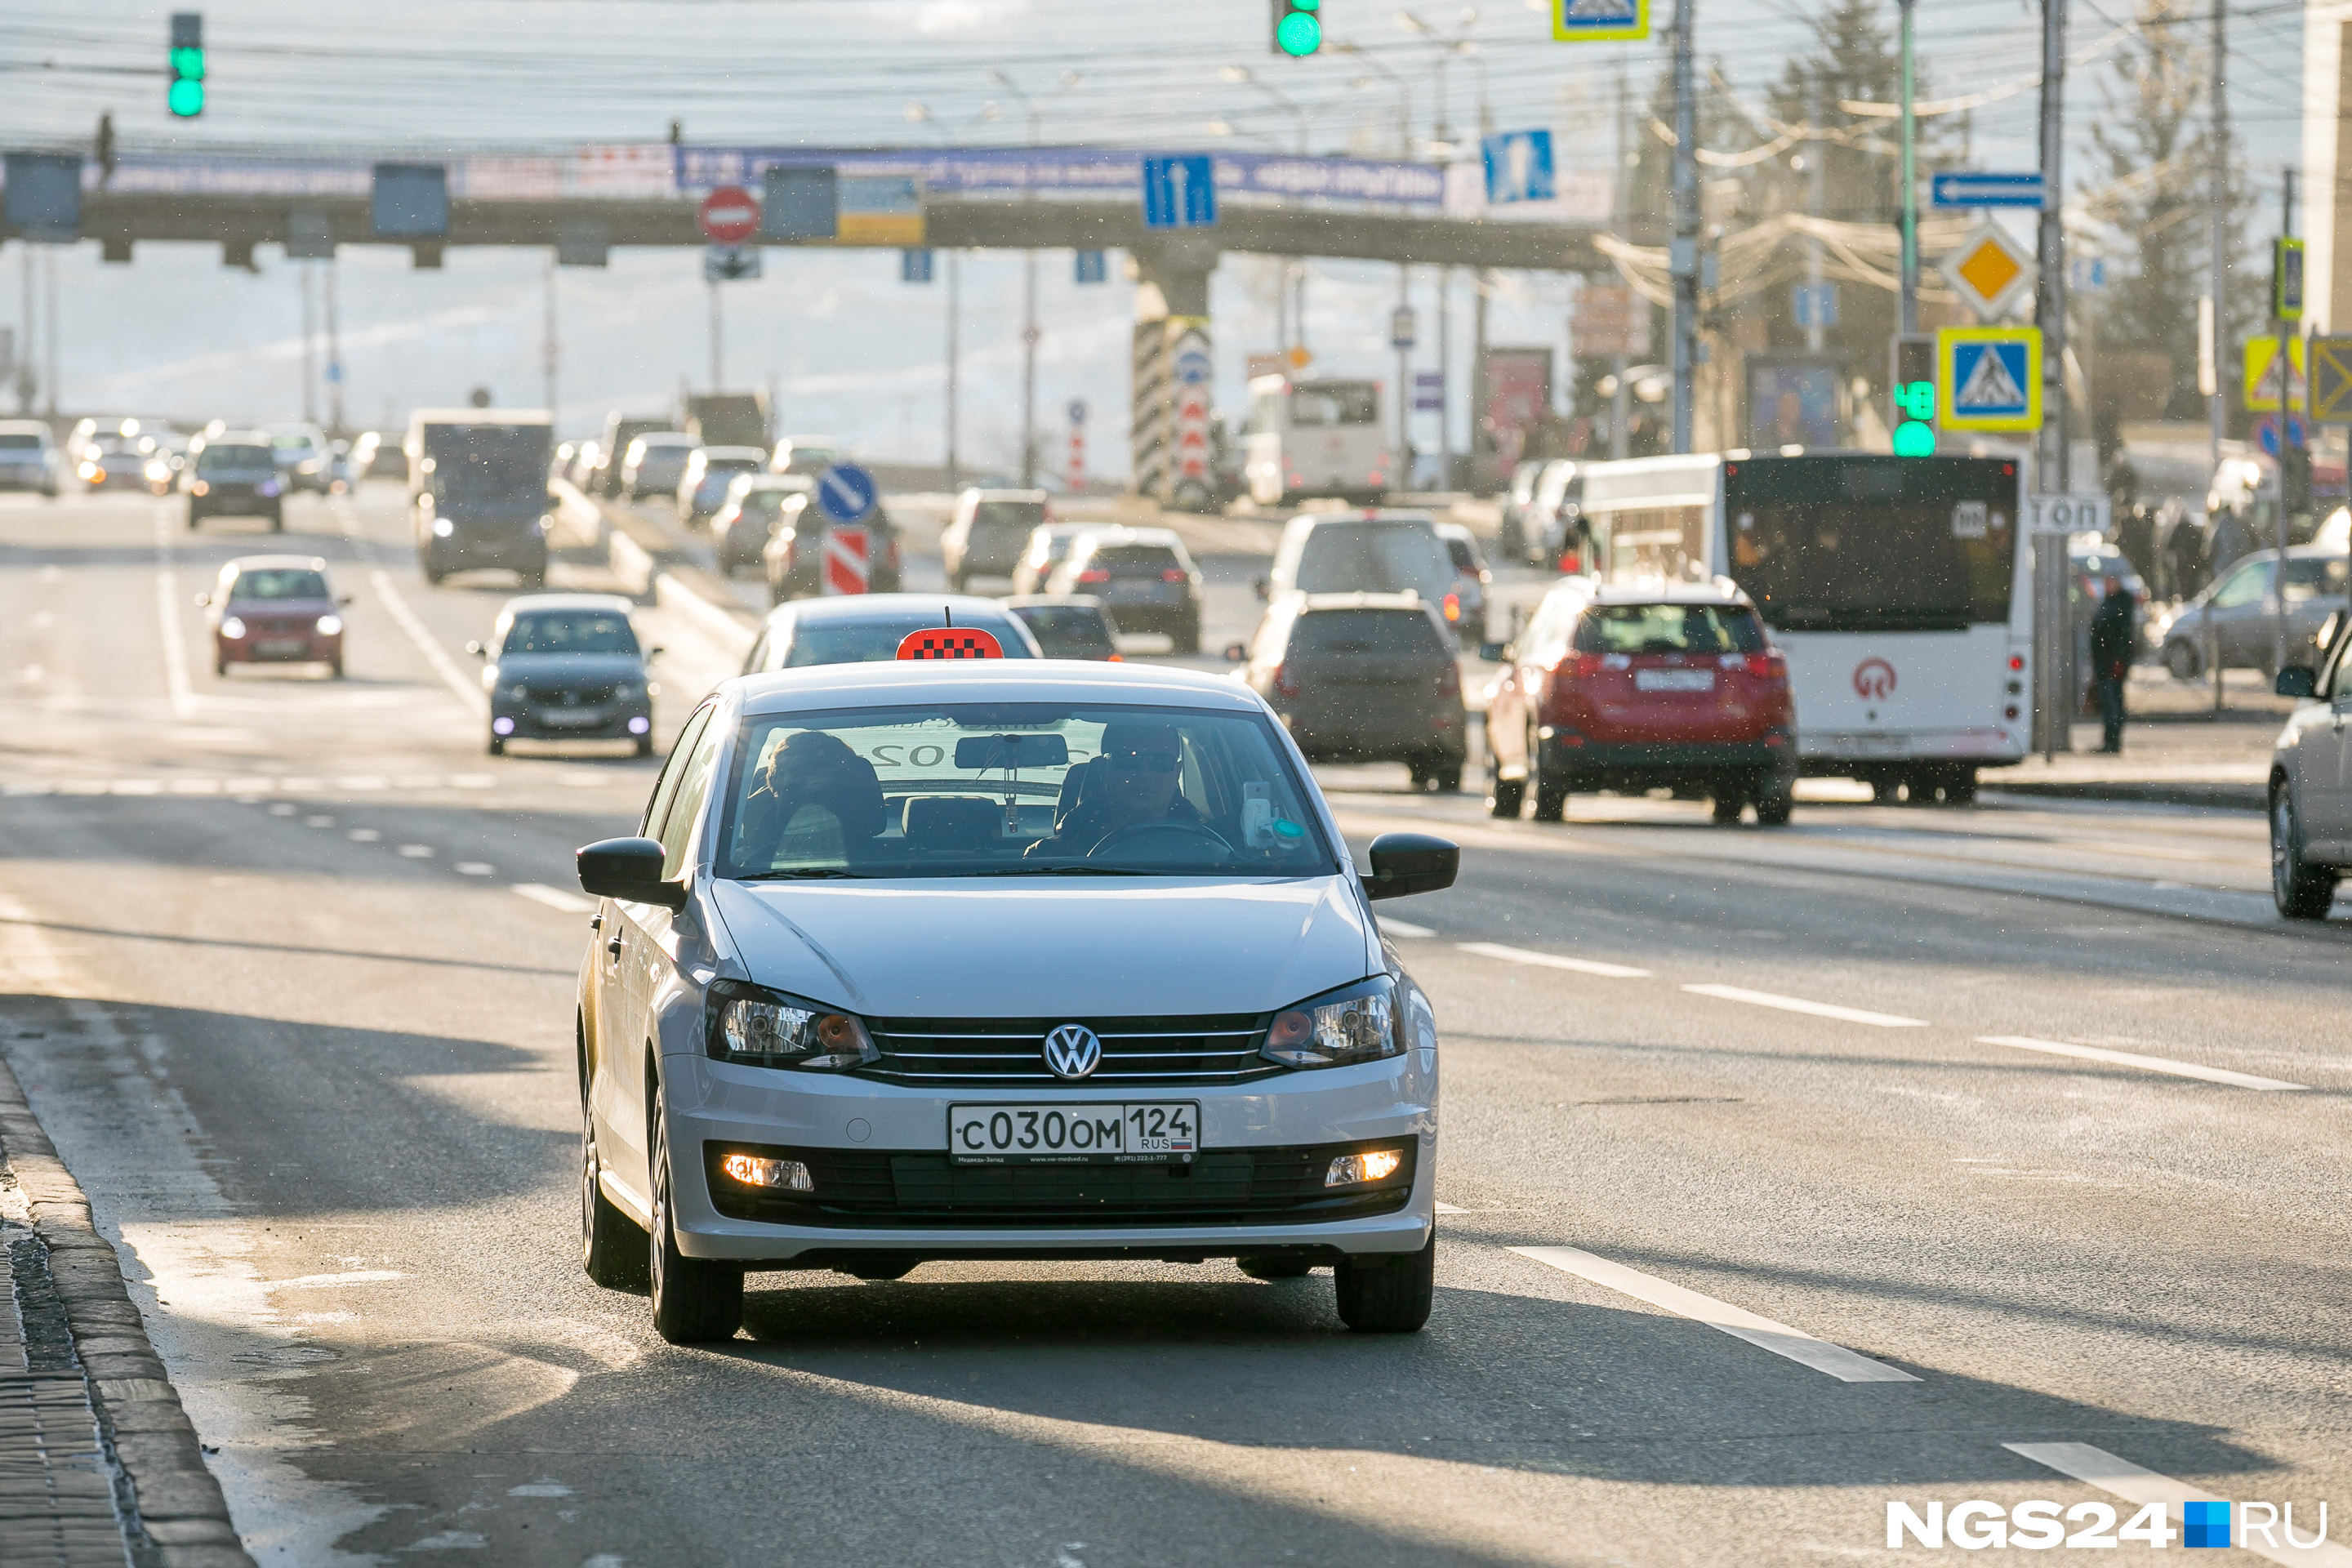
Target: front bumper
(610,721)
(886,1144)
(512,550)
(283,647)
(1830,751)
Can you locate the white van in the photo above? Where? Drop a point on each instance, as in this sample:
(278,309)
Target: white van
(1315,438)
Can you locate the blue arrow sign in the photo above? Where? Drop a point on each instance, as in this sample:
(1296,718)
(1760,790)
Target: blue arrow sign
(1987,191)
(1179,192)
(847,493)
(1518,166)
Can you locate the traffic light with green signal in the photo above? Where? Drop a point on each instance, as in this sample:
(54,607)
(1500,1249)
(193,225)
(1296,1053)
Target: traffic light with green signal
(185,97)
(1297,27)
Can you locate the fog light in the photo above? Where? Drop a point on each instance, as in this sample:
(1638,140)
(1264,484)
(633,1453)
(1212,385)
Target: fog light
(758,1171)
(502,725)
(1355,1170)
(640,724)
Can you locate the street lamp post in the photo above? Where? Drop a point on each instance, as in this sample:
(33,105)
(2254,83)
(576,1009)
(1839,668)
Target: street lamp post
(1029,334)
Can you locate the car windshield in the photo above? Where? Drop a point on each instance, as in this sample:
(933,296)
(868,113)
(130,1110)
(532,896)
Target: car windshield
(1134,560)
(1003,516)
(1669,628)
(12,442)
(1067,631)
(2311,577)
(1872,544)
(1328,405)
(1347,632)
(570,631)
(278,583)
(958,790)
(1464,557)
(871,642)
(292,443)
(212,460)
(1374,558)
(763,503)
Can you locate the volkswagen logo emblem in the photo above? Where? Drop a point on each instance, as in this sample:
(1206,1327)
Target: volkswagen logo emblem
(1072,1051)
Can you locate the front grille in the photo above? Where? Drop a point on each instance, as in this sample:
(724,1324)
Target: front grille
(1136,1051)
(568,696)
(1220,1186)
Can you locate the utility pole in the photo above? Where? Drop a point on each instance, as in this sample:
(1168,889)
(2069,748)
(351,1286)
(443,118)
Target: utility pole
(2050,295)
(717,381)
(1402,469)
(309,344)
(1683,254)
(1910,281)
(2289,459)
(335,355)
(954,290)
(2217,408)
(1816,197)
(24,376)
(1621,402)
(1444,377)
(548,346)
(1029,335)
(50,272)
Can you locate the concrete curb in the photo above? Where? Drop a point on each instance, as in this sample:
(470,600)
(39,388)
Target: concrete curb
(181,1520)
(2212,796)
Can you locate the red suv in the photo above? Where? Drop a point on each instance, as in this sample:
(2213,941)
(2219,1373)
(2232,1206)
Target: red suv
(1640,686)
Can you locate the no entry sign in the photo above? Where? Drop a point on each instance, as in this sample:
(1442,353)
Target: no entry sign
(729,215)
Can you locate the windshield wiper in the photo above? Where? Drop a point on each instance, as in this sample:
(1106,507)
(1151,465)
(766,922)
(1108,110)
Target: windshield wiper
(809,874)
(1088,868)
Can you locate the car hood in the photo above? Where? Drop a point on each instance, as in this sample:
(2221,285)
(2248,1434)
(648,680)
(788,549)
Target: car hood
(557,668)
(989,948)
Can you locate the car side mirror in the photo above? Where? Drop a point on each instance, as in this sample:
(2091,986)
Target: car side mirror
(204,601)
(655,652)
(554,497)
(477,650)
(628,869)
(1236,653)
(2297,680)
(1404,863)
(1494,652)
(1258,586)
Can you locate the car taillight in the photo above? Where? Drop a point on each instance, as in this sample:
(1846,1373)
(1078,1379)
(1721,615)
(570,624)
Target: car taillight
(1763,666)
(1452,606)
(2016,661)
(1286,681)
(1582,666)
(1449,681)
(1170,574)
(1097,575)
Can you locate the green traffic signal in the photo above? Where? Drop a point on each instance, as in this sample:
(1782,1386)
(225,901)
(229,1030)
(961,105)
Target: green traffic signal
(188,65)
(186,61)
(1913,439)
(1298,29)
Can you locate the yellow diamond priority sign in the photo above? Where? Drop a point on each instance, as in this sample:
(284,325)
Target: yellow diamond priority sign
(1989,270)
(2331,381)
(2264,395)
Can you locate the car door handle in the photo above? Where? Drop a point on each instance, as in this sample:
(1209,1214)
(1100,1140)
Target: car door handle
(614,947)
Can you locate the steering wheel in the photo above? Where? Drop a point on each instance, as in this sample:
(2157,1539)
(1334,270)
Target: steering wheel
(1159,828)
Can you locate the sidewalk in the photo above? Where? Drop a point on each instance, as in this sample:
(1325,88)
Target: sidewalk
(2175,751)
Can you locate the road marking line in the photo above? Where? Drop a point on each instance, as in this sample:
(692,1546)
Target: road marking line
(2131,1060)
(167,612)
(1449,1208)
(1393,928)
(416,852)
(2121,1478)
(1799,1004)
(1553,961)
(474,869)
(468,692)
(1845,1365)
(555,897)
(355,1277)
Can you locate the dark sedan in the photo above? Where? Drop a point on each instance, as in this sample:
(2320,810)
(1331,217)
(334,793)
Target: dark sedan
(1069,625)
(794,558)
(233,474)
(567,667)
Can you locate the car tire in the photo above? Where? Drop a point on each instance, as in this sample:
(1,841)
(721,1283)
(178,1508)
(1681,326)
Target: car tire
(616,1254)
(220,668)
(1729,800)
(498,747)
(1551,795)
(1388,1294)
(1186,638)
(1418,771)
(2183,659)
(1274,1268)
(2301,891)
(1960,787)
(696,1302)
(277,519)
(1506,797)
(335,669)
(645,746)
(1447,776)
(1776,803)
(958,584)
(195,518)
(535,579)
(1886,791)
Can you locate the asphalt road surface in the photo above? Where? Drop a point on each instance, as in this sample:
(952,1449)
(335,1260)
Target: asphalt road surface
(1905,1157)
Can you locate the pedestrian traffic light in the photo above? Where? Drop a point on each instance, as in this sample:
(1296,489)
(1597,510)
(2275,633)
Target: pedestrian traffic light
(1297,27)
(1913,360)
(186,96)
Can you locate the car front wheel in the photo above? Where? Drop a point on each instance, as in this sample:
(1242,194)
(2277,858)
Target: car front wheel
(696,1300)
(2301,891)
(1388,1293)
(2183,660)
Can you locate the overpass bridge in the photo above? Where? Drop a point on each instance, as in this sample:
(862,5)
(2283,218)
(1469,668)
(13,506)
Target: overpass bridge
(583,201)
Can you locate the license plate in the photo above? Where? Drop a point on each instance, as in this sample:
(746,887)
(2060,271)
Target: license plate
(1158,1132)
(1674,680)
(280,648)
(570,717)
(1877,746)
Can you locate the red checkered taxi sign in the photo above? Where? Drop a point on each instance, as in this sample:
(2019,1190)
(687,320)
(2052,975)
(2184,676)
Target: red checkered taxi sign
(951,642)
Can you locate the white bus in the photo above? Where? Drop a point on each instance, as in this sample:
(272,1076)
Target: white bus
(1315,438)
(1899,588)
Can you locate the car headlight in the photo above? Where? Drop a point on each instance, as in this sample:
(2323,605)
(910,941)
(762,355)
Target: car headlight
(545,523)
(1358,1023)
(231,627)
(267,487)
(768,1028)
(443,528)
(511,693)
(330,625)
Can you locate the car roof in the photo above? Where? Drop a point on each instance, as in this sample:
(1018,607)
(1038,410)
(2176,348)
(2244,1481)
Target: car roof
(275,562)
(899,681)
(832,441)
(989,493)
(1363,515)
(1313,603)
(746,454)
(614,603)
(1456,531)
(835,609)
(1115,534)
(236,438)
(666,438)
(1051,602)
(1655,591)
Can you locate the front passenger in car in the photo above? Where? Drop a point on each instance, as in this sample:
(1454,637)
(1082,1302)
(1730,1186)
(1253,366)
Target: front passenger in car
(817,804)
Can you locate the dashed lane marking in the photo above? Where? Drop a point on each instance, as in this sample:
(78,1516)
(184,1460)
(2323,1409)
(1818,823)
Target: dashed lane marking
(1554,960)
(555,897)
(167,612)
(2145,1063)
(172,784)
(1404,928)
(1799,1004)
(474,869)
(1845,1365)
(2120,1477)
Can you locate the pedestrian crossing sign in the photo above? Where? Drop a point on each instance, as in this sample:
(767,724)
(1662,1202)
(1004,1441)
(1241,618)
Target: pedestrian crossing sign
(1587,21)
(1988,378)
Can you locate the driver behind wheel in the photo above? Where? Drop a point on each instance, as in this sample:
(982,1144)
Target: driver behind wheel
(1134,781)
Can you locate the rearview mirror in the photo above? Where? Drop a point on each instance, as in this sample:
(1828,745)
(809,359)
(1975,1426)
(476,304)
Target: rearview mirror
(477,650)
(204,601)
(1494,652)
(1236,653)
(655,652)
(976,752)
(345,601)
(1258,586)
(2297,680)
(1404,863)
(628,869)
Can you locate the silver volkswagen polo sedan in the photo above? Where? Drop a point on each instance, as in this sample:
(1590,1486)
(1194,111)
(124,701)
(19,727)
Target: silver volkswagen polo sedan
(1000,959)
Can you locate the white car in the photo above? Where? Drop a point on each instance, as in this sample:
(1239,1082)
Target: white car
(994,959)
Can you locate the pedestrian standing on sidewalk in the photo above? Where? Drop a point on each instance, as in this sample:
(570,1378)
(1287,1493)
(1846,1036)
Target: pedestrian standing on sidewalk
(2111,658)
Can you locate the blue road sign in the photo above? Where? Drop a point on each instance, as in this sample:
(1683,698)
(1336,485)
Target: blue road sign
(2276,429)
(1993,380)
(914,266)
(1192,367)
(1093,268)
(1816,304)
(1179,192)
(847,493)
(1428,392)
(1078,411)
(1987,191)
(1518,166)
